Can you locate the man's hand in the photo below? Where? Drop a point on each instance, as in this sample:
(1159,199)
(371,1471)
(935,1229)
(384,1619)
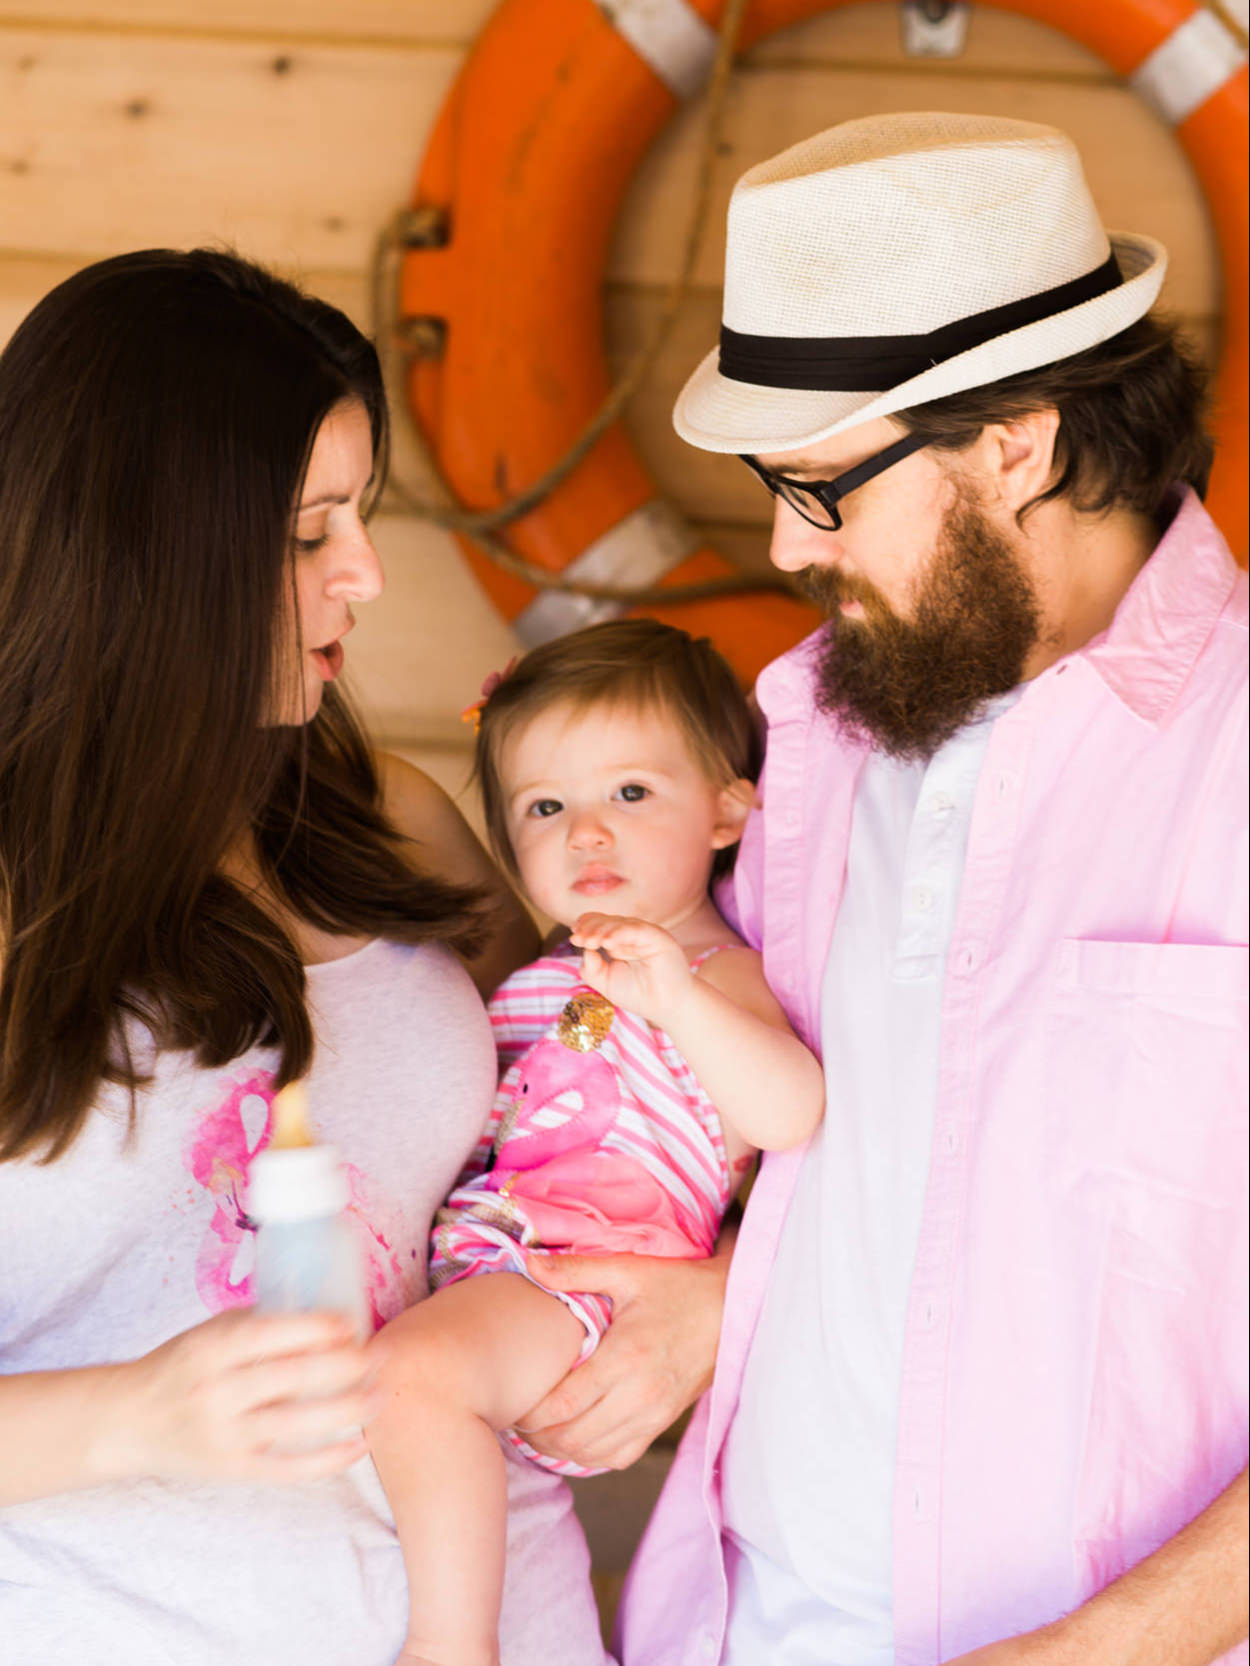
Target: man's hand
(656,1359)
(1185,1605)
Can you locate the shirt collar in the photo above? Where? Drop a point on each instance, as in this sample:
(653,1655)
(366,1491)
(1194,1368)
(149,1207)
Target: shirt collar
(1146,654)
(785,690)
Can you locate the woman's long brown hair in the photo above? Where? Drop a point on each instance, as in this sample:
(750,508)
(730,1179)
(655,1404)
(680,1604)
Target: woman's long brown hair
(157,412)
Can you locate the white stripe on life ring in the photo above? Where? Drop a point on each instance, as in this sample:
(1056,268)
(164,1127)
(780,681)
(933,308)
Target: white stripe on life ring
(1182,72)
(636,551)
(668,35)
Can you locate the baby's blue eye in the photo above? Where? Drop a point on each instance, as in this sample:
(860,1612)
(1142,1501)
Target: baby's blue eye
(633,792)
(543,807)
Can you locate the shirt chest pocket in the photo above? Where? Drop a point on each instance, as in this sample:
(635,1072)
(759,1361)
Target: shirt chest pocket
(1146,1109)
(1147,1055)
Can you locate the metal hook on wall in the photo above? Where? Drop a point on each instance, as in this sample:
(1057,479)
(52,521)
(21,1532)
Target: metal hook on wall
(933,28)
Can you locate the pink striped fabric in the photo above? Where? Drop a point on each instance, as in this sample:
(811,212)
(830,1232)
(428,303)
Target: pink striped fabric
(627,1150)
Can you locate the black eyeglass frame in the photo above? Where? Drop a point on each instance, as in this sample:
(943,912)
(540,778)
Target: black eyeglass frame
(829,493)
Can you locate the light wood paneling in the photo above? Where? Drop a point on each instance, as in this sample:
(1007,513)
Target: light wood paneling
(863,33)
(300,156)
(390,22)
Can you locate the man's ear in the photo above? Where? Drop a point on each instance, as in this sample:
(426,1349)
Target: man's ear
(734,805)
(1021,456)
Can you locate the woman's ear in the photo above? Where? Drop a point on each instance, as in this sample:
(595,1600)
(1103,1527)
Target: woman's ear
(734,805)
(1021,456)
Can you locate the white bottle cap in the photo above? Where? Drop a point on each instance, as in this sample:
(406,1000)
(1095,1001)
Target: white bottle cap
(296,1183)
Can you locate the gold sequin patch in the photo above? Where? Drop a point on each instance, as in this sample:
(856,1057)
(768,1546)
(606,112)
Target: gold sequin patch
(585,1022)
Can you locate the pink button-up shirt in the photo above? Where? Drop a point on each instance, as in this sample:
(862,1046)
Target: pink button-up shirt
(1075,1362)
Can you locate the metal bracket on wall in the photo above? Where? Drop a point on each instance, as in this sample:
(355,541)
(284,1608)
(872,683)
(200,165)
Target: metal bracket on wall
(933,28)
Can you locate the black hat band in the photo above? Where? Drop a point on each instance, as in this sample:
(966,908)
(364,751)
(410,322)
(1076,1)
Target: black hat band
(867,364)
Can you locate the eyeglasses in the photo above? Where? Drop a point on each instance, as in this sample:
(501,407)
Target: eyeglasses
(817,500)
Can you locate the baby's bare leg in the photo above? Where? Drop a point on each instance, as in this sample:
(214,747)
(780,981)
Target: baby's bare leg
(470,1360)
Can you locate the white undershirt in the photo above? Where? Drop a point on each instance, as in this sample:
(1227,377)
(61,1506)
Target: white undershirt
(808,1467)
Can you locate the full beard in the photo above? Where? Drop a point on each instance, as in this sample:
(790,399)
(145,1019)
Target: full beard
(906,685)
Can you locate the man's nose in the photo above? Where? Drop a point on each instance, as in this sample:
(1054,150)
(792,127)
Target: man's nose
(796,543)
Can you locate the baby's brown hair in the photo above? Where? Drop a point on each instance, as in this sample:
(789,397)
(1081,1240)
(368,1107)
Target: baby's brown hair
(622,662)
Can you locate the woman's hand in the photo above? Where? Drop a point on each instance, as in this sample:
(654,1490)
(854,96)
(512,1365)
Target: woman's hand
(636,965)
(242,1397)
(656,1359)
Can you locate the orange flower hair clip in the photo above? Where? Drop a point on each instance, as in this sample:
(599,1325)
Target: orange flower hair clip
(473,714)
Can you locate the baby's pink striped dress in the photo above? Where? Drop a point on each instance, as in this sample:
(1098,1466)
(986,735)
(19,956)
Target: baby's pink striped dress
(600,1140)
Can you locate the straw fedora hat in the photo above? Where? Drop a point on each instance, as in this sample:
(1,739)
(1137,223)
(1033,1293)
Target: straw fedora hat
(896,259)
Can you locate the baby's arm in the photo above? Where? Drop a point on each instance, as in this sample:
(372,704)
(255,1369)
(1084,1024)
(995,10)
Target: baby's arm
(725,1022)
(470,1360)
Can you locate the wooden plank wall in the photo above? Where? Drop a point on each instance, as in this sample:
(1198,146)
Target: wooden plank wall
(293,128)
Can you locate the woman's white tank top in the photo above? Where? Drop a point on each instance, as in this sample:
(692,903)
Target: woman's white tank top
(136,1235)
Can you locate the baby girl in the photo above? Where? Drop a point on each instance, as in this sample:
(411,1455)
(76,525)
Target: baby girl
(645,1062)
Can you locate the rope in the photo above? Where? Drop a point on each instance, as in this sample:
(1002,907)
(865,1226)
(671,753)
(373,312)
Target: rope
(479,524)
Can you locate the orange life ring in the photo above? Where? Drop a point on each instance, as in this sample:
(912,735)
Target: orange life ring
(531,155)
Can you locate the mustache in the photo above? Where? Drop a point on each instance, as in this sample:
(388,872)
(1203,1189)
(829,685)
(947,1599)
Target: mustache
(829,588)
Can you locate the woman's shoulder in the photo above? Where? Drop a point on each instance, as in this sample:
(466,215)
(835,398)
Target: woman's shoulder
(418,808)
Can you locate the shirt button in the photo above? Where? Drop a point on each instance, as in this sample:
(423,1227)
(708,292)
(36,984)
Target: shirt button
(941,804)
(708,1645)
(921,898)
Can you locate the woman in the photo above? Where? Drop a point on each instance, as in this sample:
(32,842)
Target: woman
(206,890)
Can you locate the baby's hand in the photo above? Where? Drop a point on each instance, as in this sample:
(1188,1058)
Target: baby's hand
(636,965)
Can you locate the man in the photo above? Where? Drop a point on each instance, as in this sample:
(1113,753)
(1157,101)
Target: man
(981,1392)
